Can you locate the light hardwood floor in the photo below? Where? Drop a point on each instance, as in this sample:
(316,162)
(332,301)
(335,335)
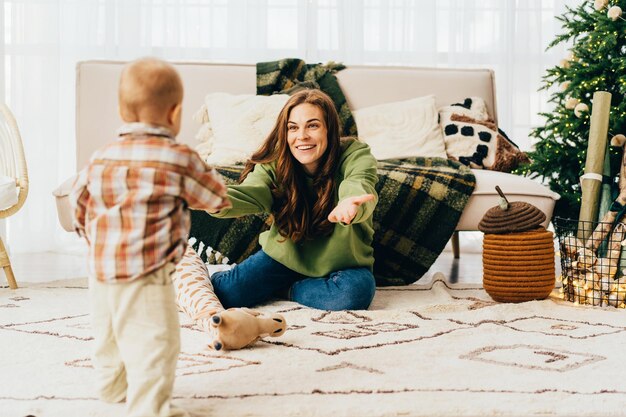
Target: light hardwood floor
(47,266)
(52,266)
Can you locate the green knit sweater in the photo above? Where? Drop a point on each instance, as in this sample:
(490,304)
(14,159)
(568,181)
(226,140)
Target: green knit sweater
(347,246)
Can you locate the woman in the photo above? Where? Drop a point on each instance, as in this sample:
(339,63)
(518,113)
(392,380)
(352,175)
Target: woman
(320,191)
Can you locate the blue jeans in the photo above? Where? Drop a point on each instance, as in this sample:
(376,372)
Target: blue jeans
(259,278)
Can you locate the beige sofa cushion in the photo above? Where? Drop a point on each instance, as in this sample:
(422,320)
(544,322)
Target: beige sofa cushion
(515,187)
(483,198)
(97,118)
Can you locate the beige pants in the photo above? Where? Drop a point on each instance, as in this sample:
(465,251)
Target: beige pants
(137,342)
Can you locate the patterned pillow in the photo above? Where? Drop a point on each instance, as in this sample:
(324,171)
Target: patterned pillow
(474,140)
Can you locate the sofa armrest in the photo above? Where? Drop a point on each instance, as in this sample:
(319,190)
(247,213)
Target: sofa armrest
(516,188)
(64,210)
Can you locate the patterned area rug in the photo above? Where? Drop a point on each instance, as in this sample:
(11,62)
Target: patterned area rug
(421,350)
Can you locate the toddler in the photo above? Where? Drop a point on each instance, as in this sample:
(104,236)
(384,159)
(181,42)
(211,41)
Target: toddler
(130,204)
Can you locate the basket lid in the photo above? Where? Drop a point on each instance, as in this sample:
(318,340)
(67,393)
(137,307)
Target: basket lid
(514,217)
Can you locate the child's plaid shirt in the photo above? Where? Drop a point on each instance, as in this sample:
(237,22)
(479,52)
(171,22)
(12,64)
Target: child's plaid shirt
(130,202)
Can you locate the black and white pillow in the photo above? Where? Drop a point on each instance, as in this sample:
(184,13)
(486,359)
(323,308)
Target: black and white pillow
(473,139)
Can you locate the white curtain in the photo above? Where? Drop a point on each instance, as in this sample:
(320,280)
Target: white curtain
(43,40)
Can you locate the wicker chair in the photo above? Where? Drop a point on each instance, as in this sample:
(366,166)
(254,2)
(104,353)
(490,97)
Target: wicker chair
(13,179)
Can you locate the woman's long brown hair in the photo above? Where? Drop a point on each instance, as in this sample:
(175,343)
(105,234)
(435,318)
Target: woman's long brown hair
(297,214)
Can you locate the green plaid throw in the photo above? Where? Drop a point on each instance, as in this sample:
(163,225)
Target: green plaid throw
(286,75)
(420,203)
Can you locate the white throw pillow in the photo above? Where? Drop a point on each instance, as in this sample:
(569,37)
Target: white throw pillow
(205,140)
(8,192)
(402,129)
(204,136)
(235,126)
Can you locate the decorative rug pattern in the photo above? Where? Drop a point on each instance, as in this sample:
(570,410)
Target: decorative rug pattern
(420,350)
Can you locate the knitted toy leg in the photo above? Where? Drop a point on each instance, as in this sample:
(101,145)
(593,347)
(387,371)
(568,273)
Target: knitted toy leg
(234,328)
(194,292)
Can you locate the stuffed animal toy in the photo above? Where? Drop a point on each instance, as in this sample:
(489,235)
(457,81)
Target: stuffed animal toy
(230,329)
(236,328)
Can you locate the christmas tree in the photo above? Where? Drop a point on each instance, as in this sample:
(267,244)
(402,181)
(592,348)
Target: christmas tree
(596,31)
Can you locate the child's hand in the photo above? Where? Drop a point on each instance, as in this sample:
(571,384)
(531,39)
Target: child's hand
(224,204)
(347,208)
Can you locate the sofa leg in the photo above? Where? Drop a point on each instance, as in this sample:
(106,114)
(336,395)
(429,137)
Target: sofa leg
(455,244)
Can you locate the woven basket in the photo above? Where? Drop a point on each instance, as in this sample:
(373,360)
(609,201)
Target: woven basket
(519,266)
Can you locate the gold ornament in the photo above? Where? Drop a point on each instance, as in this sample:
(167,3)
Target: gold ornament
(614,13)
(580,109)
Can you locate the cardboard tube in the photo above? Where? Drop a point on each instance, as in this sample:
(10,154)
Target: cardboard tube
(606,192)
(594,164)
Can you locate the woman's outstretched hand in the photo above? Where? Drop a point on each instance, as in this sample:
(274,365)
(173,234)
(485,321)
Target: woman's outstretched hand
(347,208)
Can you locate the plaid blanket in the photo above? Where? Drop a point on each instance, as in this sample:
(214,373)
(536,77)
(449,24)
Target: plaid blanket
(290,75)
(420,203)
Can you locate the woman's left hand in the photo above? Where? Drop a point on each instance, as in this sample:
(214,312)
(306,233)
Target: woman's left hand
(347,208)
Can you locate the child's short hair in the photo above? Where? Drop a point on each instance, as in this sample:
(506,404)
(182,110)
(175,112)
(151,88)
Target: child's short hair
(148,85)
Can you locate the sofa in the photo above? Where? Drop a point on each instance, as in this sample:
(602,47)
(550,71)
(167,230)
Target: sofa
(363,86)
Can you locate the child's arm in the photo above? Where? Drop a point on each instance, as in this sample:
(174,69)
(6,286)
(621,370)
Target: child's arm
(204,188)
(206,191)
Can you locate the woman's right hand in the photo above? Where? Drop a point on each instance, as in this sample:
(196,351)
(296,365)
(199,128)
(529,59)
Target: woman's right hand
(347,208)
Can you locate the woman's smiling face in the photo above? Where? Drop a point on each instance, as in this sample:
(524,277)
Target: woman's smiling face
(307,135)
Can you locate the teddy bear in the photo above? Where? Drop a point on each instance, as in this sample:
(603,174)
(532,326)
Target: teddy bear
(230,329)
